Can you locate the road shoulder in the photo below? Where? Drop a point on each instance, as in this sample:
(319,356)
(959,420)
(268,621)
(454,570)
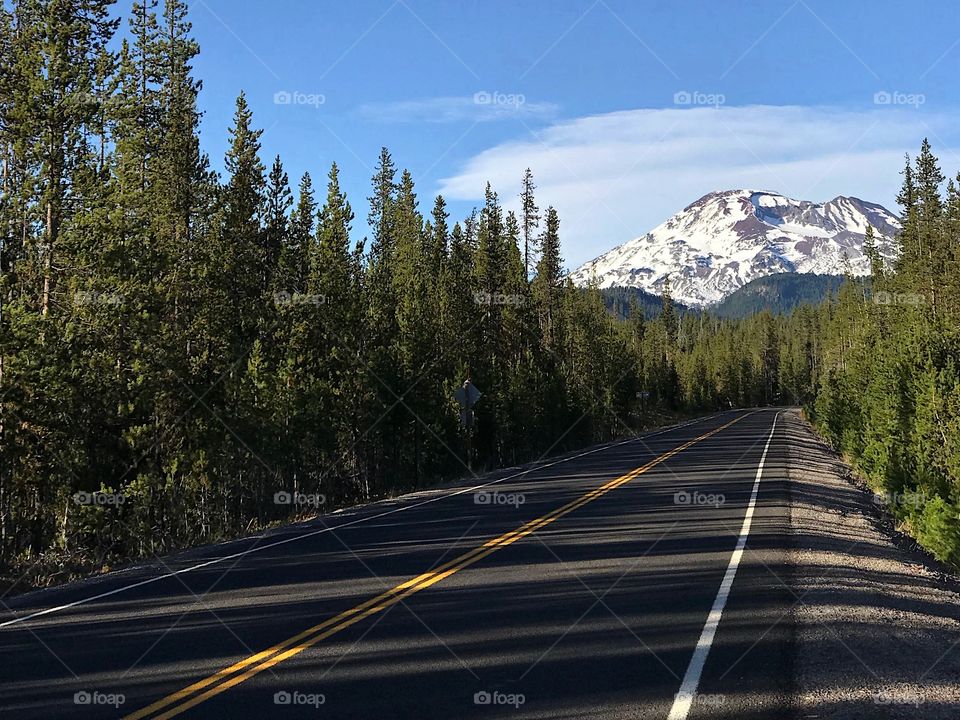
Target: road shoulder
(877,626)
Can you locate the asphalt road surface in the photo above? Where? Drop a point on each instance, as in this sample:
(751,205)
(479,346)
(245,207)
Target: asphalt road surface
(643,579)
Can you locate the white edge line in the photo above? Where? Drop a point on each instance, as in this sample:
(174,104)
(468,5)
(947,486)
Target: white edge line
(325,529)
(688,688)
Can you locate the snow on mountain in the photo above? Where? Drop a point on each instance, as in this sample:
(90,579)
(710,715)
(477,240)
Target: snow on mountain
(726,239)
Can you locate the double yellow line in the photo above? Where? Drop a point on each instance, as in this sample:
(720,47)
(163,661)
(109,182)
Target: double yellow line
(239,672)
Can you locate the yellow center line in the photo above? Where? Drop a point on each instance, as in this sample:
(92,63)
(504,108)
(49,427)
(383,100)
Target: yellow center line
(231,676)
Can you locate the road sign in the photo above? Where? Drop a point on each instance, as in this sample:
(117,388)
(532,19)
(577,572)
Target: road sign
(467,394)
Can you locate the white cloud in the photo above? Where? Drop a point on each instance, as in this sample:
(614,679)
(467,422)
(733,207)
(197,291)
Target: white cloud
(482,106)
(615,176)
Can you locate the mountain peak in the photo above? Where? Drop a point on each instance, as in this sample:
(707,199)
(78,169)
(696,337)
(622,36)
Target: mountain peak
(727,238)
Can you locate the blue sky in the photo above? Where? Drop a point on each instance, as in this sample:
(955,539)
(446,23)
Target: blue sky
(625,110)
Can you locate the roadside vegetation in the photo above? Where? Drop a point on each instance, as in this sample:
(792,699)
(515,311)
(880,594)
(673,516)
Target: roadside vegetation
(185,356)
(888,381)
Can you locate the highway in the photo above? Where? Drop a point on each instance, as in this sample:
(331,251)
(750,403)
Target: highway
(642,579)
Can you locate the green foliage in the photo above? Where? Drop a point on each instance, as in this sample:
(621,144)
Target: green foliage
(205,347)
(622,301)
(889,365)
(779,293)
(937,527)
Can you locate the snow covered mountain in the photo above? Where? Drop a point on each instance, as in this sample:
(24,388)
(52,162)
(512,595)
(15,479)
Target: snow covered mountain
(726,239)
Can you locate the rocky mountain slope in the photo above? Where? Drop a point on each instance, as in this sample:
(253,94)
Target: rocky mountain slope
(726,239)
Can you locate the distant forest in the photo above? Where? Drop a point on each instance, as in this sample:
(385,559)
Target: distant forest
(185,357)
(779,293)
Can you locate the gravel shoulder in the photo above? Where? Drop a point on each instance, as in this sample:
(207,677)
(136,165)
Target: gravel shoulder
(876,620)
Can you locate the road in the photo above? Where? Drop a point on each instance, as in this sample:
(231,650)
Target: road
(643,579)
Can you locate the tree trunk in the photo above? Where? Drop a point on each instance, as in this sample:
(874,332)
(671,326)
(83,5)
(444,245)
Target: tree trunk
(48,262)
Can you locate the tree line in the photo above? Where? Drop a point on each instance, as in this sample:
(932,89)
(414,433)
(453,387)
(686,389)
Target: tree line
(185,356)
(886,388)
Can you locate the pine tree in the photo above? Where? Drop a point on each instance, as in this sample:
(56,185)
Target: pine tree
(241,248)
(461,327)
(182,177)
(297,248)
(951,250)
(295,346)
(548,283)
(529,219)
(381,319)
(332,264)
(332,310)
(515,291)
(53,211)
(71,37)
(907,197)
(933,248)
(928,179)
(278,202)
(489,264)
(437,247)
(416,322)
(872,254)
(337,269)
(380,218)
(139,107)
(909,240)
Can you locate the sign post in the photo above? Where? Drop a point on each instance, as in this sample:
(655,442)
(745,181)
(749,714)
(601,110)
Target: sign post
(467,395)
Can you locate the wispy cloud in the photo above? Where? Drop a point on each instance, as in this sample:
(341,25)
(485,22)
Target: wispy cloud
(482,106)
(615,176)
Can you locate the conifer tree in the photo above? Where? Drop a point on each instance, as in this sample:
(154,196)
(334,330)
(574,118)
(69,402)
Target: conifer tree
(930,238)
(872,254)
(332,310)
(278,201)
(548,283)
(70,38)
(529,219)
(241,248)
(296,249)
(381,304)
